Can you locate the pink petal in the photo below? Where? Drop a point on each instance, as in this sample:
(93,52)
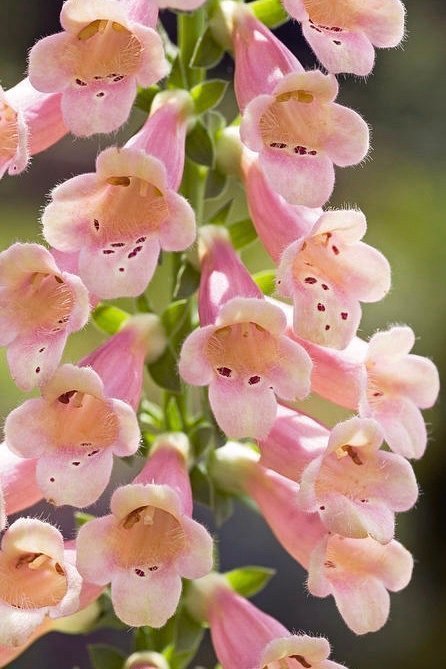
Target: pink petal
(29,364)
(198,558)
(250,125)
(396,342)
(242,411)
(151,600)
(81,308)
(68,376)
(178,232)
(314,650)
(129,434)
(296,8)
(364,604)
(291,376)
(30,535)
(366,272)
(350,225)
(348,140)
(74,478)
(396,567)
(383,22)
(323,86)
(249,309)
(118,275)
(352,519)
(347,51)
(403,426)
(130,497)
(76,14)
(193,365)
(18,624)
(133,161)
(153,63)
(26,429)
(48,71)
(96,566)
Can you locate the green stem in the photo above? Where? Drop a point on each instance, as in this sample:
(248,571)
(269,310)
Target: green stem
(190,29)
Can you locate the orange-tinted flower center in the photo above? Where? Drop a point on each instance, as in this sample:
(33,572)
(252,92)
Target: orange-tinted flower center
(331,13)
(290,662)
(31,580)
(43,302)
(9,135)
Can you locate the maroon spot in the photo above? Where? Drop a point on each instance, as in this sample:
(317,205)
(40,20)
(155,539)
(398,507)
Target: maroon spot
(322,508)
(41,350)
(118,78)
(312,153)
(364,501)
(301,150)
(92,453)
(329,564)
(98,76)
(325,287)
(320,307)
(135,252)
(327,327)
(100,94)
(278,145)
(76,464)
(301,660)
(224,371)
(378,394)
(310,279)
(107,252)
(337,42)
(140,572)
(118,244)
(141,240)
(253,380)
(154,568)
(344,315)
(80,82)
(314,28)
(121,269)
(52,479)
(65,397)
(37,370)
(58,279)
(335,250)
(96,223)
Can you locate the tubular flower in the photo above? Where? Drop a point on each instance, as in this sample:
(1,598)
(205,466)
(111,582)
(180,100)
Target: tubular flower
(342,34)
(73,430)
(355,486)
(118,219)
(18,481)
(30,122)
(328,272)
(96,63)
(40,305)
(38,579)
(244,637)
(120,360)
(299,132)
(146,659)
(399,384)
(149,541)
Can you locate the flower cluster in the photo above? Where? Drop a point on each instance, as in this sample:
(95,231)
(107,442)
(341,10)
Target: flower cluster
(329,495)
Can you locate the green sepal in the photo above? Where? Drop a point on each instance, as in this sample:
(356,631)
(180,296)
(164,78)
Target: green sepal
(207,53)
(105,657)
(188,280)
(109,318)
(80,518)
(208,94)
(248,581)
(176,320)
(145,97)
(266,281)
(199,145)
(242,233)
(270,12)
(215,184)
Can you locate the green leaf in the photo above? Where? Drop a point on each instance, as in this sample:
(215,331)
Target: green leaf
(164,372)
(153,412)
(215,184)
(215,121)
(142,304)
(105,657)
(145,97)
(208,52)
(208,94)
(176,319)
(247,581)
(109,318)
(80,518)
(201,485)
(188,280)
(242,233)
(200,436)
(222,505)
(199,145)
(174,421)
(270,12)
(187,640)
(221,215)
(176,77)
(266,281)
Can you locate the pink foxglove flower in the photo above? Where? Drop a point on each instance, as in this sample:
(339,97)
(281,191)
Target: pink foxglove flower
(119,218)
(73,429)
(184,5)
(96,63)
(244,637)
(40,305)
(343,34)
(120,360)
(355,486)
(146,659)
(299,133)
(38,579)
(30,122)
(241,352)
(327,273)
(18,481)
(149,541)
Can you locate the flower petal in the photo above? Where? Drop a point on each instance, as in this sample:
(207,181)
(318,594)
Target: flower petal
(178,232)
(198,558)
(95,566)
(347,51)
(48,72)
(129,433)
(291,377)
(194,366)
(349,138)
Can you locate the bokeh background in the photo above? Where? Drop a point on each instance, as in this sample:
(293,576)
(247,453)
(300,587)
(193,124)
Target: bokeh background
(402,190)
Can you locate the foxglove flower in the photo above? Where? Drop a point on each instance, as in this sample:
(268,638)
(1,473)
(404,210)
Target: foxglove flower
(146,659)
(119,218)
(38,579)
(149,541)
(120,360)
(30,122)
(96,63)
(355,486)
(343,34)
(328,272)
(299,132)
(40,305)
(244,637)
(73,429)
(18,481)
(243,356)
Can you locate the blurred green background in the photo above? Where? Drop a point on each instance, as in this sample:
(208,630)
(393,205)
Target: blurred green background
(402,190)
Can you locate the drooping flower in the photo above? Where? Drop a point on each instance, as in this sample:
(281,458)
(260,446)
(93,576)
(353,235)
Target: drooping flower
(30,122)
(119,218)
(18,481)
(120,360)
(40,305)
(328,272)
(244,637)
(299,132)
(149,541)
(73,430)
(355,486)
(241,352)
(37,580)
(343,34)
(96,63)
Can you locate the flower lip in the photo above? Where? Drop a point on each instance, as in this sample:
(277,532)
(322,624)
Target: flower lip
(31,580)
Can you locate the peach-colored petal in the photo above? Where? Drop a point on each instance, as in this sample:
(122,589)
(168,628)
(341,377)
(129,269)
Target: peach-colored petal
(291,377)
(96,565)
(346,51)
(178,231)
(198,558)
(348,143)
(241,309)
(194,366)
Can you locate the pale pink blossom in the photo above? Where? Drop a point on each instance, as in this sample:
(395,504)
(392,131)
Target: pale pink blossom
(40,305)
(30,122)
(299,133)
(244,637)
(118,219)
(327,273)
(73,430)
(18,481)
(96,63)
(355,486)
(184,5)
(120,360)
(343,33)
(149,541)
(38,579)
(146,659)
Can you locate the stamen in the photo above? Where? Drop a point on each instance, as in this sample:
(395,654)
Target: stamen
(301,96)
(302,660)
(119,181)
